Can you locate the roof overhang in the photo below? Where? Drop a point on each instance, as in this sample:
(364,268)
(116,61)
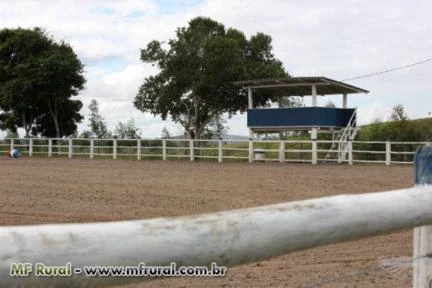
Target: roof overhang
(301,86)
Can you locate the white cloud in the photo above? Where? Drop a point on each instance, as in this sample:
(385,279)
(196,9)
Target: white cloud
(334,38)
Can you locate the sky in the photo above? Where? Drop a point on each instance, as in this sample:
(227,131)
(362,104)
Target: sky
(338,39)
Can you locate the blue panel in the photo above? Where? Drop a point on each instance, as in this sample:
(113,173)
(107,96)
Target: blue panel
(299,117)
(423,165)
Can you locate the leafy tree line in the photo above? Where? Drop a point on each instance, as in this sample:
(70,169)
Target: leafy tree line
(38,78)
(399,128)
(98,127)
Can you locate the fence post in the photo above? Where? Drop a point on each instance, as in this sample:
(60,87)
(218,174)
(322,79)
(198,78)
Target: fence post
(12,143)
(70,148)
(30,146)
(350,152)
(114,148)
(388,153)
(251,150)
(422,267)
(138,149)
(314,152)
(164,149)
(220,151)
(191,150)
(49,147)
(91,148)
(281,151)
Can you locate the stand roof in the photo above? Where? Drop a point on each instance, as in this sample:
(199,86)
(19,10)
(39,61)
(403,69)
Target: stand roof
(301,86)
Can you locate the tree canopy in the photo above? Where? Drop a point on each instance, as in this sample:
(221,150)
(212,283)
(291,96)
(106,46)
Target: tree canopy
(38,77)
(197,71)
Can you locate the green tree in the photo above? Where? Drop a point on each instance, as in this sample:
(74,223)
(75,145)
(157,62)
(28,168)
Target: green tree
(97,124)
(127,130)
(216,128)
(165,134)
(398,113)
(38,77)
(197,71)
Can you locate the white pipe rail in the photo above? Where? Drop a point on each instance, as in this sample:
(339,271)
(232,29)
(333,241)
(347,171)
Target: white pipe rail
(227,238)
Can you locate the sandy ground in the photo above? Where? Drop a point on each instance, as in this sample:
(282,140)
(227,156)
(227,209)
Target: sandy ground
(44,190)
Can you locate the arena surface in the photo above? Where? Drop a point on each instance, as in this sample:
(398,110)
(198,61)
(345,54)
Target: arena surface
(42,190)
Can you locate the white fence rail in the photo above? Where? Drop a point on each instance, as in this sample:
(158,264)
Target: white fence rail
(227,238)
(218,150)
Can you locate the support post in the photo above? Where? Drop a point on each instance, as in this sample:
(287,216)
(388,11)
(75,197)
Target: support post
(12,143)
(49,147)
(115,149)
(314,136)
(350,152)
(30,153)
(250,100)
(422,266)
(250,150)
(70,151)
(314,96)
(91,148)
(220,151)
(138,149)
(388,153)
(164,149)
(191,150)
(344,101)
(281,151)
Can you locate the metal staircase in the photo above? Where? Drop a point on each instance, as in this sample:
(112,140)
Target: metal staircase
(339,147)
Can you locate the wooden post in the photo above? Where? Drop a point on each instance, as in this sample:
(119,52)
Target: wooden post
(115,149)
(11,143)
(422,265)
(30,147)
(281,151)
(138,149)
(350,152)
(388,153)
(191,150)
(70,148)
(91,148)
(164,149)
(251,151)
(49,147)
(314,137)
(220,151)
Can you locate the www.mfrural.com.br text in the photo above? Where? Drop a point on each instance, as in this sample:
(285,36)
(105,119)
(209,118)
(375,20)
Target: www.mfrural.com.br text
(139,270)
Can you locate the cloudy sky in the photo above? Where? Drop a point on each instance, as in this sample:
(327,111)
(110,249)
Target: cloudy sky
(335,38)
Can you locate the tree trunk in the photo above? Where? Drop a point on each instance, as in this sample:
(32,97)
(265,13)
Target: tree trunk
(53,112)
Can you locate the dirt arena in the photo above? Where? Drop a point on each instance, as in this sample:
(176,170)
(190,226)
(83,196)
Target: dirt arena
(41,190)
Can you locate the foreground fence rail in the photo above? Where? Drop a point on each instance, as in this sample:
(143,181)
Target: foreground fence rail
(377,152)
(227,238)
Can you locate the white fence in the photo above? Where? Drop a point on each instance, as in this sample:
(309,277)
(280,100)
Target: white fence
(217,150)
(227,238)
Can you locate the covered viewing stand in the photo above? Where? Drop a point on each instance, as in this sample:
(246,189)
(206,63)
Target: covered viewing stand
(271,120)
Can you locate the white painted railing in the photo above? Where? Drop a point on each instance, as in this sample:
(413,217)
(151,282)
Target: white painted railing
(227,238)
(218,150)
